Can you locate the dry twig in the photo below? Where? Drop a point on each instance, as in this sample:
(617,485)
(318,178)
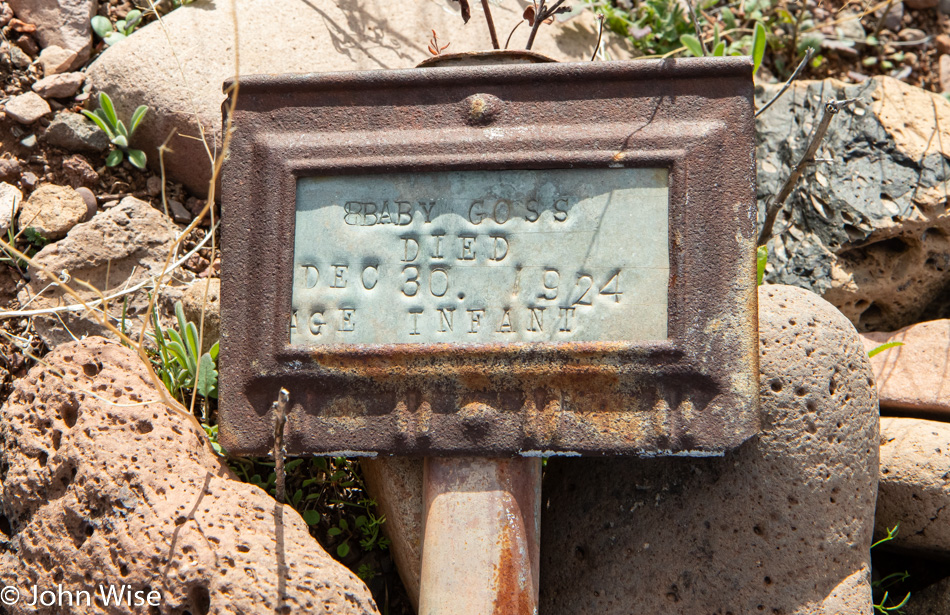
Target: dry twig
(279,409)
(801,65)
(831,109)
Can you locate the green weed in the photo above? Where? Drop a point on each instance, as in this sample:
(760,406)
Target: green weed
(106,119)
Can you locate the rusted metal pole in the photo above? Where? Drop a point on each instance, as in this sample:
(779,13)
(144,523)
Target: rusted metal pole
(481,548)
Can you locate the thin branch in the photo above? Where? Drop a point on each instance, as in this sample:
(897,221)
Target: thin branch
(491,24)
(808,53)
(831,109)
(699,34)
(279,409)
(539,18)
(880,22)
(600,36)
(512,33)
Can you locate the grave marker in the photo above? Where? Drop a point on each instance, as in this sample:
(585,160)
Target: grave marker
(493,260)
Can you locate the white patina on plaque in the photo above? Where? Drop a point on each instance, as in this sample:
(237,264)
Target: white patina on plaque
(481,257)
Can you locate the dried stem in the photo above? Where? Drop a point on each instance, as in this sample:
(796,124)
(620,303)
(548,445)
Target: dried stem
(88,305)
(801,65)
(279,408)
(512,33)
(600,37)
(831,109)
(491,24)
(699,34)
(880,22)
(539,17)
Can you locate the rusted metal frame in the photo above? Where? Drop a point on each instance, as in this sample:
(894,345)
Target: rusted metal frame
(342,372)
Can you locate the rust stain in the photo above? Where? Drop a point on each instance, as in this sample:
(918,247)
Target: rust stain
(693,392)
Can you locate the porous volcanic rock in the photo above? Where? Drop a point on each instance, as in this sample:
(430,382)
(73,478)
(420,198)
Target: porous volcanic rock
(52,210)
(62,23)
(870,232)
(914,379)
(915,485)
(304,36)
(119,248)
(782,524)
(103,484)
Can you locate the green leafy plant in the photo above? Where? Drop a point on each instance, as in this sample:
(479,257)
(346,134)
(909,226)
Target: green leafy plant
(123,27)
(366,530)
(108,121)
(180,358)
(35,238)
(881,585)
(761,259)
(879,349)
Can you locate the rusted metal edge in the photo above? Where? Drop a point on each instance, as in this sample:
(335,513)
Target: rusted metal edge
(737,66)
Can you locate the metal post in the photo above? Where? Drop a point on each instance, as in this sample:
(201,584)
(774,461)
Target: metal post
(481,549)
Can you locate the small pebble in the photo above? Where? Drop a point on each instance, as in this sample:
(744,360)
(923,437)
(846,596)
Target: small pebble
(178,212)
(154,185)
(29,142)
(28,45)
(943,43)
(27,108)
(28,180)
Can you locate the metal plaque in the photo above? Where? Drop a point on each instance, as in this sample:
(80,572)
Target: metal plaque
(493,260)
(481,256)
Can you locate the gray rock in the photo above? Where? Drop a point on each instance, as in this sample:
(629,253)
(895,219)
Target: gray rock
(55,60)
(297,36)
(27,108)
(932,600)
(64,23)
(12,57)
(74,132)
(10,197)
(871,231)
(892,21)
(780,525)
(119,248)
(9,167)
(915,485)
(178,212)
(59,86)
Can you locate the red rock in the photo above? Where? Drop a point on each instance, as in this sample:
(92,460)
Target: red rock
(914,378)
(117,488)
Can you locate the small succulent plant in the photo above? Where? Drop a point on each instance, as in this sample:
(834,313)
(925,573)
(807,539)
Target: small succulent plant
(123,27)
(106,119)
